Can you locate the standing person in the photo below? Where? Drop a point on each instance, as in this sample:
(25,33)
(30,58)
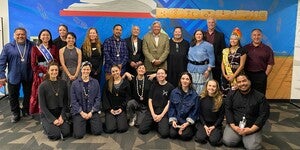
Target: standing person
(135,52)
(16,57)
(247,110)
(211,115)
(177,59)
(140,86)
(233,62)
(115,51)
(159,100)
(60,41)
(70,59)
(53,98)
(41,55)
(85,102)
(218,41)
(92,52)
(156,48)
(184,107)
(260,61)
(201,60)
(115,97)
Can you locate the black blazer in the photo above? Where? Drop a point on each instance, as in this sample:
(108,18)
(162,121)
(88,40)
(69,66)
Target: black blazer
(219,44)
(139,55)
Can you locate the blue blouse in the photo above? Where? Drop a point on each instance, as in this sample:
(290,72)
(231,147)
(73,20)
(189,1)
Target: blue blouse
(200,53)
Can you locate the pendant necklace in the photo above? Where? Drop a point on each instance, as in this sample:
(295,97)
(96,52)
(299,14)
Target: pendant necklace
(85,91)
(141,87)
(24,51)
(118,48)
(53,89)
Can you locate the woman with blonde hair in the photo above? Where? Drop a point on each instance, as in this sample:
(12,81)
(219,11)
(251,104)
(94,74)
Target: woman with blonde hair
(92,52)
(211,114)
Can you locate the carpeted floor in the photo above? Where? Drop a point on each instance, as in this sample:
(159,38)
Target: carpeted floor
(282,131)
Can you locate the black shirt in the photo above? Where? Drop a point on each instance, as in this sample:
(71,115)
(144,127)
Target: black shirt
(59,43)
(160,94)
(147,84)
(252,105)
(207,116)
(118,98)
(50,103)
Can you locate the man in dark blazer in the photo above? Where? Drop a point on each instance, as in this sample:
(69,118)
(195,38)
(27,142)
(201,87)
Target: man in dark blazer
(135,51)
(217,39)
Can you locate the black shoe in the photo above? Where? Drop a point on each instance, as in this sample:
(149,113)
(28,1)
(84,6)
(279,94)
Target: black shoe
(15,119)
(24,112)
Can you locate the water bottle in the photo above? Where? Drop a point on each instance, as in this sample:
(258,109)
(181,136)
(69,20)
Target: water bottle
(242,123)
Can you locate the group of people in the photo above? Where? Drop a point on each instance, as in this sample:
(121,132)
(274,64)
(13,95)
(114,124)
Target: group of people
(170,84)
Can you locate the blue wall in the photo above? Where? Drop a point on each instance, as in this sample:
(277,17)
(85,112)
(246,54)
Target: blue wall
(279,28)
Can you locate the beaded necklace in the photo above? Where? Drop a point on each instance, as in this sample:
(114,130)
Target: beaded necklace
(142,88)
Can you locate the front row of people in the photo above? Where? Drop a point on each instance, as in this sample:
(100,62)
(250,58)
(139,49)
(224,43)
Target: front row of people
(175,112)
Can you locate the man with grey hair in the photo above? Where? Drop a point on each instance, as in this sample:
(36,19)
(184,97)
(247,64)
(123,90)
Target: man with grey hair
(218,41)
(16,57)
(135,51)
(156,48)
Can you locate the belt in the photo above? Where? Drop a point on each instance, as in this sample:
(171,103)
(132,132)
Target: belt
(204,62)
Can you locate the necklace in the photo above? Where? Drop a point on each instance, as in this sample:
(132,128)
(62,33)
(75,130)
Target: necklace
(53,89)
(134,45)
(118,48)
(233,54)
(85,90)
(24,51)
(141,87)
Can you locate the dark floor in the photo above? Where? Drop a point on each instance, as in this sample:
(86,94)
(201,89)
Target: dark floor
(282,131)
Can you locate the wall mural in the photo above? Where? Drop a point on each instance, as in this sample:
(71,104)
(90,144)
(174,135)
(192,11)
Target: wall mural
(276,18)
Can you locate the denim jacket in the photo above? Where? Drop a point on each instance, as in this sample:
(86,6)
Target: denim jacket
(183,107)
(78,103)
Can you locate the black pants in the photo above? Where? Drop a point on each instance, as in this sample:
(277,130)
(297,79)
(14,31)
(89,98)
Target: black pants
(217,73)
(187,133)
(258,81)
(134,107)
(116,122)
(80,125)
(148,123)
(13,94)
(214,138)
(54,132)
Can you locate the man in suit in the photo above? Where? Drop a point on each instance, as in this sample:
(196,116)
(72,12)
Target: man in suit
(156,48)
(135,52)
(218,41)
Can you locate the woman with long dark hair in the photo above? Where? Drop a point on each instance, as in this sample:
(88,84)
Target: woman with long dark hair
(41,55)
(233,62)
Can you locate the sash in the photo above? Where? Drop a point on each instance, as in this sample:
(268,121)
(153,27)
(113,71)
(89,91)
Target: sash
(46,53)
(227,64)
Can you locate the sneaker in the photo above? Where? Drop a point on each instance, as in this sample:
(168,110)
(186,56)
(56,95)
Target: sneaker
(15,118)
(132,121)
